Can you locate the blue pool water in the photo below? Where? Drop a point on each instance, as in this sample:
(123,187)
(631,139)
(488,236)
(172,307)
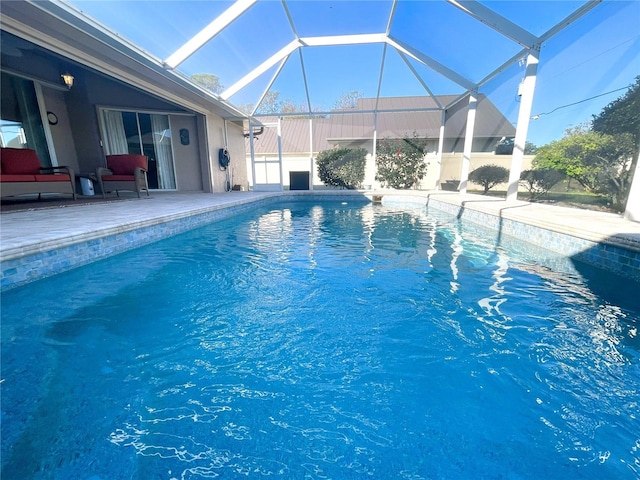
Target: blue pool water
(323,341)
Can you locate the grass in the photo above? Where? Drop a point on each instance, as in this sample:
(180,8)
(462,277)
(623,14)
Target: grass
(578,197)
(575,199)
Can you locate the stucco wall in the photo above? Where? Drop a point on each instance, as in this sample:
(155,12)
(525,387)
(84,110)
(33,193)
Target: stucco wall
(236,144)
(186,158)
(452,165)
(450,168)
(234,133)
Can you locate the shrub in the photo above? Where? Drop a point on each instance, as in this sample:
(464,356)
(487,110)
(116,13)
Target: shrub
(400,162)
(539,182)
(489,176)
(342,167)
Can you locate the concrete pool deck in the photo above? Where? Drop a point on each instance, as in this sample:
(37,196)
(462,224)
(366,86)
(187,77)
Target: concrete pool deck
(25,234)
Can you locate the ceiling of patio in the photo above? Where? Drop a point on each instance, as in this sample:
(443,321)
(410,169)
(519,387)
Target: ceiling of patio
(312,53)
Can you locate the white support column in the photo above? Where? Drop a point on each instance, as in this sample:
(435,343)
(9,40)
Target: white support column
(632,211)
(468,140)
(311,163)
(253,155)
(375,148)
(280,153)
(527,89)
(440,148)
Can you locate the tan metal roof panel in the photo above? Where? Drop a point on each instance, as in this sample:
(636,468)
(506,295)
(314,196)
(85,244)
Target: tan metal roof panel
(489,123)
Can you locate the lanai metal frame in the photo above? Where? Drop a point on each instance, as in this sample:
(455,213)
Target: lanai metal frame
(530,51)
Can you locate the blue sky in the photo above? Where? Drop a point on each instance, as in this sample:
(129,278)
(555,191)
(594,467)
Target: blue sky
(597,54)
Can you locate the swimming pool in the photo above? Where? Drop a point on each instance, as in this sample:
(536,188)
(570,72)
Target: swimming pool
(323,341)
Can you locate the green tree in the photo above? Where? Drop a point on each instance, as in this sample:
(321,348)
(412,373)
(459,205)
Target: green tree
(622,116)
(400,162)
(489,176)
(539,182)
(601,163)
(342,167)
(208,81)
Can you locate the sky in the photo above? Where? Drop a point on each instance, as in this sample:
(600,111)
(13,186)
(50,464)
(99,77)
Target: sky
(597,54)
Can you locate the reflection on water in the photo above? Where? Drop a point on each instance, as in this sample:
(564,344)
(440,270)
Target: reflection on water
(321,341)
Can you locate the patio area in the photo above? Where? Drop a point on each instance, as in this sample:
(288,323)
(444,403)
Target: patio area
(44,227)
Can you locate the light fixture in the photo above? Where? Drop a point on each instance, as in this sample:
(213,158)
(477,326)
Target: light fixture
(68,79)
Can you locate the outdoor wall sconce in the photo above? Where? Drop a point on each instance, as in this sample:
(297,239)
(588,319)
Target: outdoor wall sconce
(67,78)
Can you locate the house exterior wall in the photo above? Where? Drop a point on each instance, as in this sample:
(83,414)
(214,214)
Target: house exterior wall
(356,130)
(236,142)
(216,142)
(186,157)
(77,138)
(92,90)
(456,145)
(450,168)
(452,165)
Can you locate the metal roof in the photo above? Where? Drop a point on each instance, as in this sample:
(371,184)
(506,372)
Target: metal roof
(398,121)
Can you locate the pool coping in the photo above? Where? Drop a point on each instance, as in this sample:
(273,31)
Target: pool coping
(613,228)
(38,244)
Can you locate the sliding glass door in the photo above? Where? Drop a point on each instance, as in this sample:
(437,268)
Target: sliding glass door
(20,120)
(143,134)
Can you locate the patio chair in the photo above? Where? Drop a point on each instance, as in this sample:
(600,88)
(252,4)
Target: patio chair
(123,172)
(21,172)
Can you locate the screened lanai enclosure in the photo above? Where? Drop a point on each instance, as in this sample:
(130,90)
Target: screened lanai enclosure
(478,82)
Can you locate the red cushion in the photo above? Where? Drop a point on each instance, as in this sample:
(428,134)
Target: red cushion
(52,178)
(17,178)
(125,164)
(118,178)
(20,161)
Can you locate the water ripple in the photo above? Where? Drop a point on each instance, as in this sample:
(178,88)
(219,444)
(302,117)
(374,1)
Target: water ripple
(292,342)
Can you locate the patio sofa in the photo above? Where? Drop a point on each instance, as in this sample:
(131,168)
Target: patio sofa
(124,172)
(21,173)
